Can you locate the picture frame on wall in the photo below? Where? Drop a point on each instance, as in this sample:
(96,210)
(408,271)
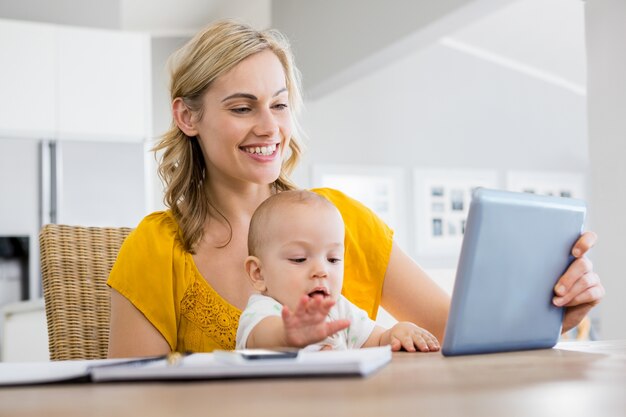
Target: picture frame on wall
(380,188)
(559,184)
(442,199)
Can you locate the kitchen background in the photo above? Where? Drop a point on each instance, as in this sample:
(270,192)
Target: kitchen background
(416,97)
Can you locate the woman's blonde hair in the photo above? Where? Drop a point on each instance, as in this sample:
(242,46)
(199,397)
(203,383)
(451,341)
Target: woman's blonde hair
(211,53)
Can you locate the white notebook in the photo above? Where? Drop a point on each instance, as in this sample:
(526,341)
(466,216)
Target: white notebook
(198,366)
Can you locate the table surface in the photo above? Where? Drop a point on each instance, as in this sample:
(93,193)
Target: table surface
(573,379)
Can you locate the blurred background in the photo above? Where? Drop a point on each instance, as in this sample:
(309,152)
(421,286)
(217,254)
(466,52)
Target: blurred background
(409,105)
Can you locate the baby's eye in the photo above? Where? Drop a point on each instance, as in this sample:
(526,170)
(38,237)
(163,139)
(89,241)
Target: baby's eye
(334,260)
(297,260)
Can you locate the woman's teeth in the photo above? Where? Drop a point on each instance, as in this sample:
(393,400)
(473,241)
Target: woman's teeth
(262,150)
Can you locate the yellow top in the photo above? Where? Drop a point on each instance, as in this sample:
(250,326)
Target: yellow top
(154,272)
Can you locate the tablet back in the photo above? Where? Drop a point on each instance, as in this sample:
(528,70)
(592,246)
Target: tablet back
(516,246)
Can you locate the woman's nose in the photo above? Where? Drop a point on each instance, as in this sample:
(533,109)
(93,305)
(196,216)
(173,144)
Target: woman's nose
(266,124)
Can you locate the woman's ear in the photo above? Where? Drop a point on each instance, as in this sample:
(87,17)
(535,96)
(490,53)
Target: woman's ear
(183,117)
(253,268)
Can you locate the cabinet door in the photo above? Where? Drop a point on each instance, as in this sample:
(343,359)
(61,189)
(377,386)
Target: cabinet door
(27,79)
(104,85)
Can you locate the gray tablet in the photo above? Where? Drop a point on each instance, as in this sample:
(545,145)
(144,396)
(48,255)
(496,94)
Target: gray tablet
(516,246)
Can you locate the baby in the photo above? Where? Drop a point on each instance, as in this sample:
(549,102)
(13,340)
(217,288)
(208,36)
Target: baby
(295,262)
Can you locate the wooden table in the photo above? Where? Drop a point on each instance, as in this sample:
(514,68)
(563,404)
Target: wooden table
(574,379)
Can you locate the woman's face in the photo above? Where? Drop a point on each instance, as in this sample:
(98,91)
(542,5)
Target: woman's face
(246,123)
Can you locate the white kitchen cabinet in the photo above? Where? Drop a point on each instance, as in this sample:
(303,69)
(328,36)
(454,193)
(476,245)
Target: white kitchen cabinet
(24,332)
(104,85)
(27,79)
(61,82)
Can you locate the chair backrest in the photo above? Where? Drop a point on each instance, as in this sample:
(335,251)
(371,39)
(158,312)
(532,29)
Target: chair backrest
(75,265)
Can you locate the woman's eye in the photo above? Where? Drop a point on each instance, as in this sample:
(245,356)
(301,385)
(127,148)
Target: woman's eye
(240,110)
(280,106)
(297,260)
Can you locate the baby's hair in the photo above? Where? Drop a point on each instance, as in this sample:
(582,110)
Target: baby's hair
(267,209)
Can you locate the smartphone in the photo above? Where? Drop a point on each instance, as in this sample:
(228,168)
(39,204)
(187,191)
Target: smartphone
(255,354)
(249,355)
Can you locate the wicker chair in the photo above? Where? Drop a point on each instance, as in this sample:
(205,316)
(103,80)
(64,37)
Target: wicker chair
(75,264)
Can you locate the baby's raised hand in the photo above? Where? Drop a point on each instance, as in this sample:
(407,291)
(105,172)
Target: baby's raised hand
(408,336)
(307,324)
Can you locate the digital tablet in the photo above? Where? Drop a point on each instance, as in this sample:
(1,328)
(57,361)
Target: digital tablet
(515,247)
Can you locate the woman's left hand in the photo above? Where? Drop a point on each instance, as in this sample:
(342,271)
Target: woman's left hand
(579,288)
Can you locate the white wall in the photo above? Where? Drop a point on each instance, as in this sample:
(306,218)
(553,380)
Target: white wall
(338,41)
(186,17)
(442,108)
(606,31)
(101,183)
(162,48)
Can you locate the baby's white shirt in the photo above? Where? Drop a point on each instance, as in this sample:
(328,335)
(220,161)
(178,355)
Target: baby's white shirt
(361,326)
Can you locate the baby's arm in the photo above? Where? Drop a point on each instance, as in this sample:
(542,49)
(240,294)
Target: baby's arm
(305,326)
(403,335)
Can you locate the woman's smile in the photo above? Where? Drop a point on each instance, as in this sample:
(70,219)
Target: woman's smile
(262,153)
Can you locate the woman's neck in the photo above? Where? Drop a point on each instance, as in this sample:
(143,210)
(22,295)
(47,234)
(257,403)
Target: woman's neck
(237,203)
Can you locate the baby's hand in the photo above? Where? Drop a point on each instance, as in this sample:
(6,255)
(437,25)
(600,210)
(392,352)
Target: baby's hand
(408,336)
(308,325)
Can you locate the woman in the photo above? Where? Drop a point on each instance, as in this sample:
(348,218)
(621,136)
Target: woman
(179,282)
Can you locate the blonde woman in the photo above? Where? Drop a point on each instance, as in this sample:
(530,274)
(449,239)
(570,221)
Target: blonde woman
(179,283)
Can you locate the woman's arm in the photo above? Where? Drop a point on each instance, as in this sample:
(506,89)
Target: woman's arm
(131,334)
(410,295)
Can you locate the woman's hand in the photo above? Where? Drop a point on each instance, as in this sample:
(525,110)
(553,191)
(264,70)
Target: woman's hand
(579,288)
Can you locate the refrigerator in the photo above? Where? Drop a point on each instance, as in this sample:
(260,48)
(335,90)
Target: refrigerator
(85,183)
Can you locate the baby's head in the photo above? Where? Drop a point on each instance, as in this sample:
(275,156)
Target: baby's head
(296,248)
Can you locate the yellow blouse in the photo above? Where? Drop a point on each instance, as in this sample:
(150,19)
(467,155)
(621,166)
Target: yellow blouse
(160,278)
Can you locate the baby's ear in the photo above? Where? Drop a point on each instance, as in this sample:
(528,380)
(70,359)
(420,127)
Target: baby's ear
(253,269)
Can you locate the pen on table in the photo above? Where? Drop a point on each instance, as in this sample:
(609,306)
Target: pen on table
(172,359)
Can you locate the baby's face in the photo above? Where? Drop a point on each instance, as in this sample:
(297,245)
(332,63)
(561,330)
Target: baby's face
(303,253)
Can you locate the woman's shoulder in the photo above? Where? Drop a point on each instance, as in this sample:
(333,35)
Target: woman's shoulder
(347,206)
(156,229)
(159,221)
(329,193)
(338,198)
(359,220)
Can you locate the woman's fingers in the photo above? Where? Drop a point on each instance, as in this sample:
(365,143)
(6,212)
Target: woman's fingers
(578,269)
(587,290)
(585,242)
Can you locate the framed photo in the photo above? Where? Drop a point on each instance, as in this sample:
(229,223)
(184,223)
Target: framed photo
(380,188)
(442,199)
(560,184)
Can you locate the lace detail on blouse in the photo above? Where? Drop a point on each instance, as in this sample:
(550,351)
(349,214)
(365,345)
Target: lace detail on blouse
(202,306)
